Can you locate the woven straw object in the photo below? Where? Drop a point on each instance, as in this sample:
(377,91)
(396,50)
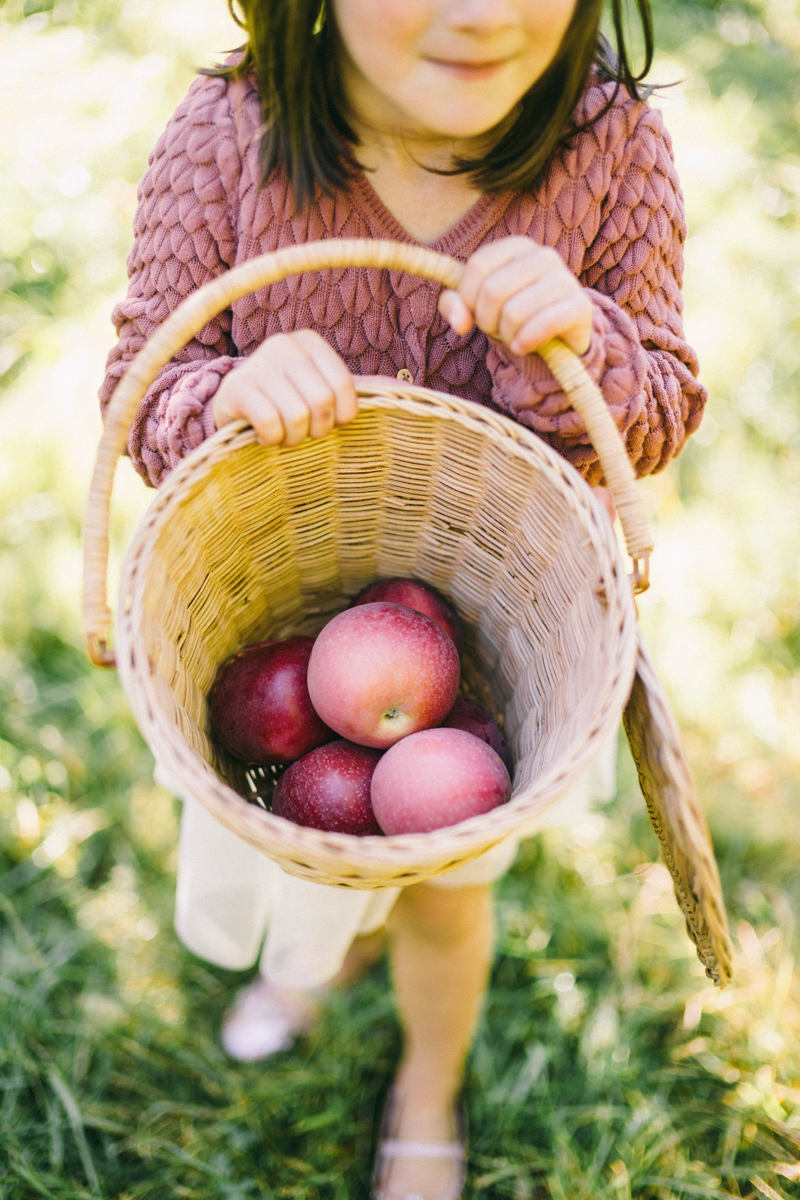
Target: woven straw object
(245,542)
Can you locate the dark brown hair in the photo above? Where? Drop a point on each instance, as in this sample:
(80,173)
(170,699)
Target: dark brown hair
(291,52)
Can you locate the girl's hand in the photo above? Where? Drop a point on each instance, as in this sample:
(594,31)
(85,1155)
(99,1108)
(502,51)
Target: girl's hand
(292,387)
(521,293)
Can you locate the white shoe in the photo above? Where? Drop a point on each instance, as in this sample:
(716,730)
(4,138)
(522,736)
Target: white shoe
(390,1148)
(265,1019)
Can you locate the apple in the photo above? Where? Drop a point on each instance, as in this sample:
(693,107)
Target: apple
(381,671)
(330,789)
(435,778)
(261,711)
(473,718)
(419,596)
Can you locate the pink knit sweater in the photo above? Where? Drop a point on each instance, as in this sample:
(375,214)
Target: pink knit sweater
(611,206)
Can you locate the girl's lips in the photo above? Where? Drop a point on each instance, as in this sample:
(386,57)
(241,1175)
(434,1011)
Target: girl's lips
(469,70)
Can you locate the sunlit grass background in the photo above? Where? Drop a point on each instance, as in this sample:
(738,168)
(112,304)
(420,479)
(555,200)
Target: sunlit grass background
(606,1067)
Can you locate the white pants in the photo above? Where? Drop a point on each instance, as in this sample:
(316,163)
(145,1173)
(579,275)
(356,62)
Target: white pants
(229,895)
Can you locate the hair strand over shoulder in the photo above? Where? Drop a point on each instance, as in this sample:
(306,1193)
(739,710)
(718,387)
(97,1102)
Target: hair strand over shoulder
(291,53)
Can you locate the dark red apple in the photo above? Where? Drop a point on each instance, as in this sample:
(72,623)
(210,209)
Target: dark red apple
(330,789)
(260,707)
(435,778)
(473,718)
(419,596)
(381,671)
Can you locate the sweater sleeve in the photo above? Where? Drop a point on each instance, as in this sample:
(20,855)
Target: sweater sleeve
(632,272)
(183,237)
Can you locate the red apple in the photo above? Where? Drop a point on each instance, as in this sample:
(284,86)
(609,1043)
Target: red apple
(435,778)
(419,596)
(381,671)
(260,707)
(330,789)
(473,718)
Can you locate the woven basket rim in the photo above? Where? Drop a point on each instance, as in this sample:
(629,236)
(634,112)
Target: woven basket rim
(180,763)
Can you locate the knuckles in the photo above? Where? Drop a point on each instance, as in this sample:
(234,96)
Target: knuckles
(492,294)
(321,407)
(516,309)
(261,391)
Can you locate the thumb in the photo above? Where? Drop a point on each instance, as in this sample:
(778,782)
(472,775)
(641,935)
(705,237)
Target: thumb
(455,312)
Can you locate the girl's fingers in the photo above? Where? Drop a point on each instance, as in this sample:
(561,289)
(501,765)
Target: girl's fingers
(278,393)
(504,285)
(536,298)
(488,259)
(334,371)
(267,423)
(509,286)
(565,319)
(315,393)
(455,312)
(240,397)
(294,386)
(292,407)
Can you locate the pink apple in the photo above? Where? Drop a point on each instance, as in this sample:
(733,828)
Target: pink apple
(260,708)
(419,596)
(473,718)
(435,778)
(381,671)
(330,789)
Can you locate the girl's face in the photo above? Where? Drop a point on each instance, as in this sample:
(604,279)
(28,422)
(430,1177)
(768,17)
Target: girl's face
(449,69)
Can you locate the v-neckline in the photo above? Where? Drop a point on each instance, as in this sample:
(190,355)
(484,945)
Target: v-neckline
(448,242)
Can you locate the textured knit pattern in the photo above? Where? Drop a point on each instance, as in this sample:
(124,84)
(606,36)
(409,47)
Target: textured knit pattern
(610,205)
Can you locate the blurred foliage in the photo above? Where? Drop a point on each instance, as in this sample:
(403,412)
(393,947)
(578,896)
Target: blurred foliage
(605,1067)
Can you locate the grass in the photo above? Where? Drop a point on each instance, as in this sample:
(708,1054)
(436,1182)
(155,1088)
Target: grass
(583,1080)
(605,1065)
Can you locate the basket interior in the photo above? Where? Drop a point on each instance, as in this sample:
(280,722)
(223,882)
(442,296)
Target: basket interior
(266,542)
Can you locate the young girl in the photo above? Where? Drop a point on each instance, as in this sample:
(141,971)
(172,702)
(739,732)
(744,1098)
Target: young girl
(506,134)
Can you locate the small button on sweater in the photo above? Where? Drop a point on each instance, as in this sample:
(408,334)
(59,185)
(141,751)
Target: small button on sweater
(609,203)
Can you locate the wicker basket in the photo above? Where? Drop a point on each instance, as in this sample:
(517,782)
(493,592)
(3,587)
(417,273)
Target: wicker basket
(244,542)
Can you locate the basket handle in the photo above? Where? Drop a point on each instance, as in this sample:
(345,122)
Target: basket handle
(204,304)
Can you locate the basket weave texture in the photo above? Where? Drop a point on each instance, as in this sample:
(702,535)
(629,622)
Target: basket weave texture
(266,542)
(245,542)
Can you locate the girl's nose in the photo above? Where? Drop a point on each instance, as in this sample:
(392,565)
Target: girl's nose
(480,16)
